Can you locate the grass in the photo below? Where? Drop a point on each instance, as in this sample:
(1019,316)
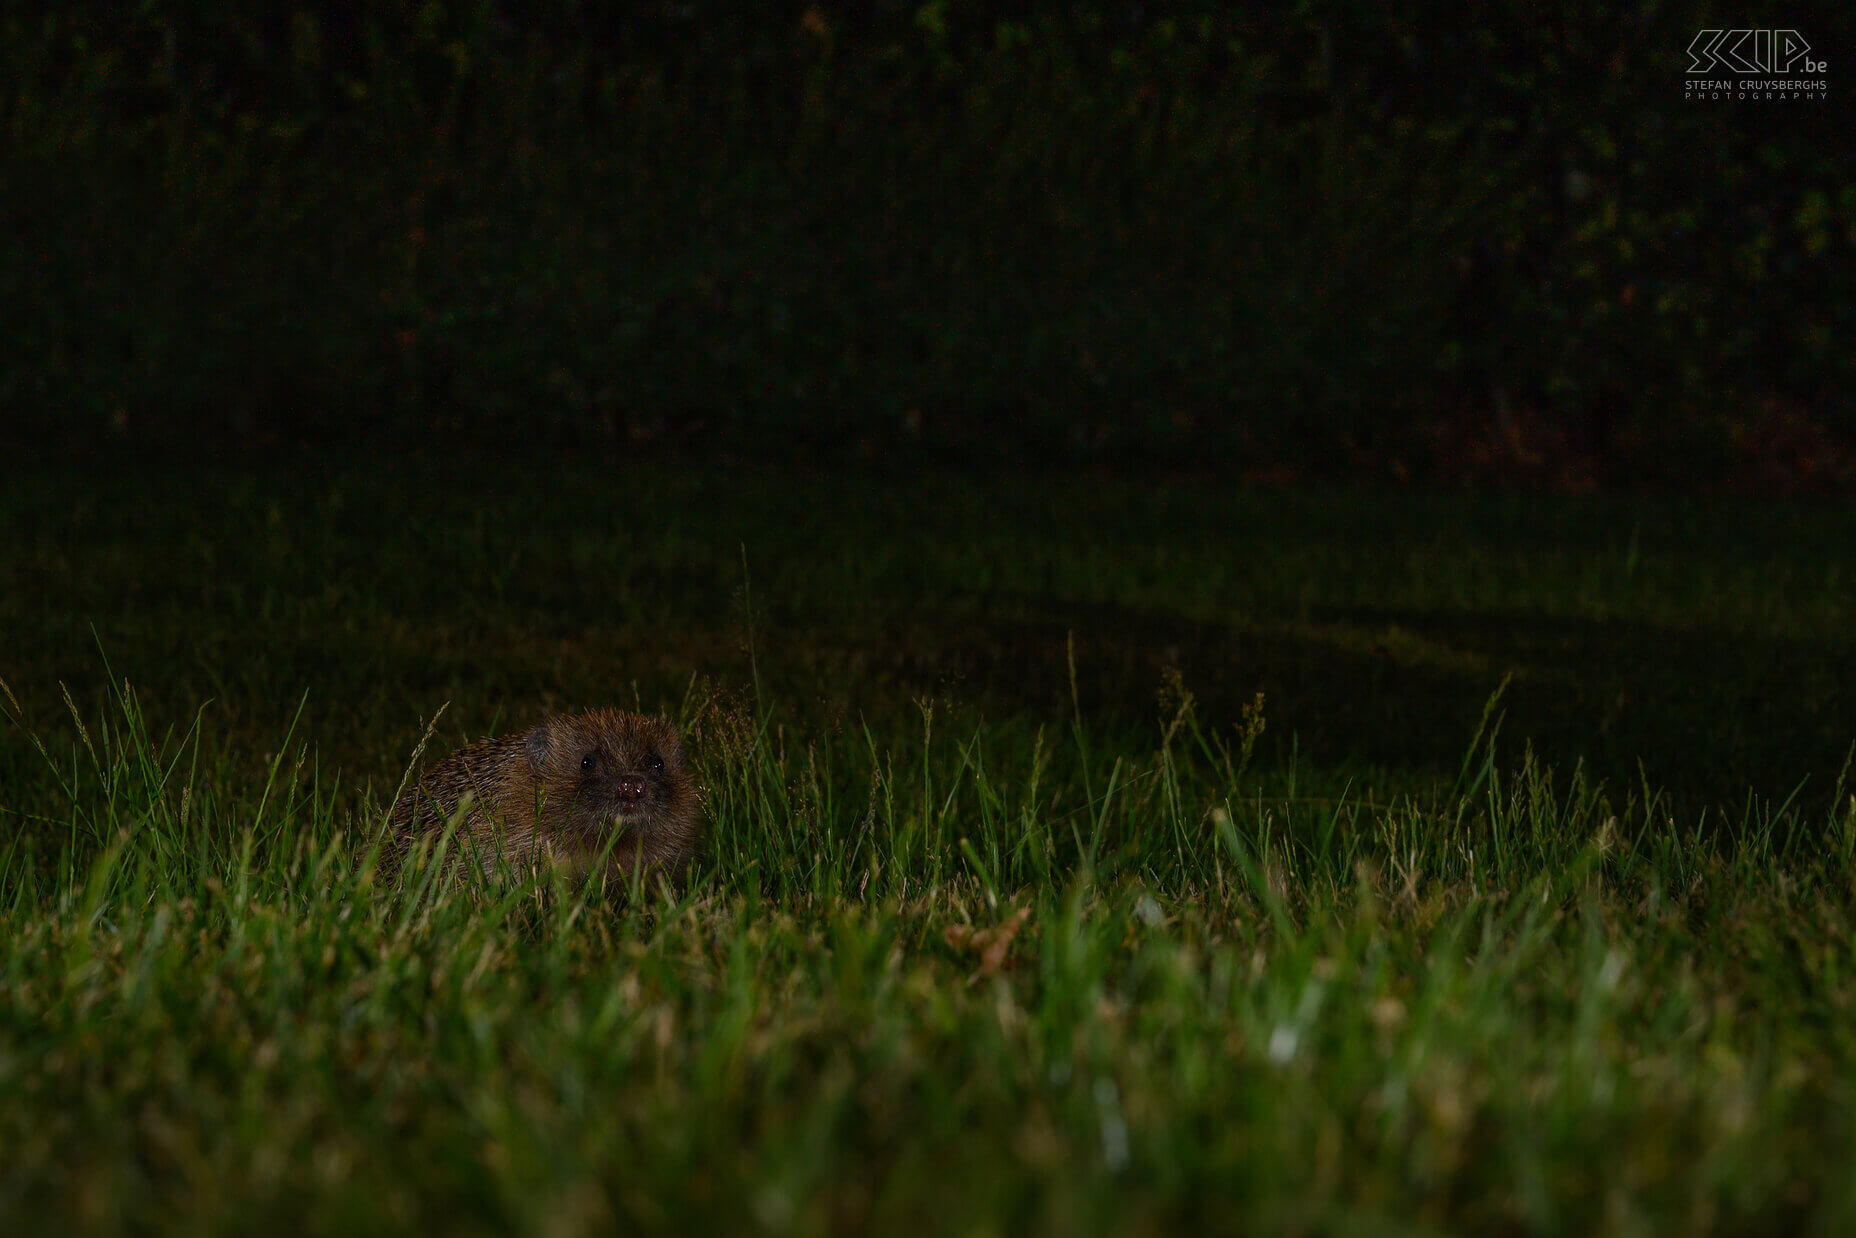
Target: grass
(1019,911)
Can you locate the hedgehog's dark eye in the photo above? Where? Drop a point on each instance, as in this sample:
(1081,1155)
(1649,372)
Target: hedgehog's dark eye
(586,763)
(657,763)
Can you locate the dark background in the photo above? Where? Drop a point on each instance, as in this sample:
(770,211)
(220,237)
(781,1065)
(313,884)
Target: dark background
(1315,240)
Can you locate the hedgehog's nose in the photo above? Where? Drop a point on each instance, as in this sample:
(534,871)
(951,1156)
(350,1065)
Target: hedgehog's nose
(631,790)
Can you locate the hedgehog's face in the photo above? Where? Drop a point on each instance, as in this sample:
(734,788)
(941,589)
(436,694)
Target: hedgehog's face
(617,771)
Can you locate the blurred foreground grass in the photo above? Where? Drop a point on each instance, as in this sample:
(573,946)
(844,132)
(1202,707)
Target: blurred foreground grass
(1017,912)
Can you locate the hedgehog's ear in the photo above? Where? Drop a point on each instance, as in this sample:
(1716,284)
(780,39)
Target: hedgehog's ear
(537,744)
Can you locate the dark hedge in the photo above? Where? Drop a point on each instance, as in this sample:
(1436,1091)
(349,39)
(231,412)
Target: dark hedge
(1317,238)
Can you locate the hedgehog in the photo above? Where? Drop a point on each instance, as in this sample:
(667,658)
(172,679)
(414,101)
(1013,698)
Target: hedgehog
(574,792)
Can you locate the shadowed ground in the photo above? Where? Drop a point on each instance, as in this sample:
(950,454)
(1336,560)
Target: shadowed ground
(1708,642)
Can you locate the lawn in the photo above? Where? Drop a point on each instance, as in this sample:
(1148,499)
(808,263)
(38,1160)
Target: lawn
(1084,855)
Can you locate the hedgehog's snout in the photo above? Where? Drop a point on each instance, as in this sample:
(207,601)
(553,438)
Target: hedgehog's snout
(631,790)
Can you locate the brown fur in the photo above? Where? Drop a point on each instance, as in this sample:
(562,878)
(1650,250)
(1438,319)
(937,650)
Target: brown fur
(554,795)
